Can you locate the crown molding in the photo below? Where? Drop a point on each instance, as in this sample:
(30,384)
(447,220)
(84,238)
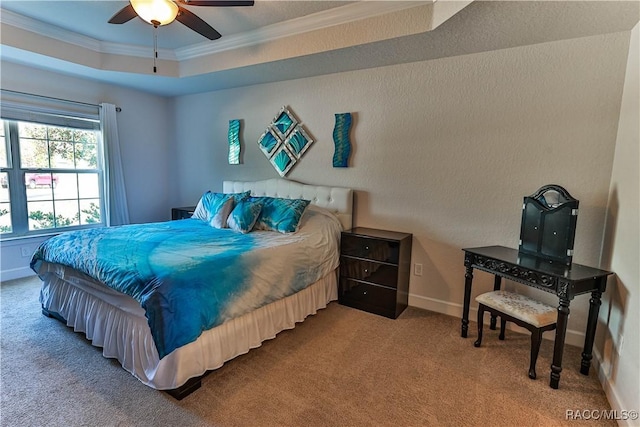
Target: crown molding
(331,17)
(328,18)
(51,31)
(47,30)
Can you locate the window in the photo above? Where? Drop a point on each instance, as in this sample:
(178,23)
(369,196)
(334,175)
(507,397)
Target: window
(51,176)
(5,201)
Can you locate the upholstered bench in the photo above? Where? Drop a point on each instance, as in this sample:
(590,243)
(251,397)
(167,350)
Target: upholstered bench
(526,312)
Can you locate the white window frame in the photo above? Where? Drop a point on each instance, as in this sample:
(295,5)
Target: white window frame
(15,173)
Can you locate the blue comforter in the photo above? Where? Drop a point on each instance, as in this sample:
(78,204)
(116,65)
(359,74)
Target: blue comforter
(185,274)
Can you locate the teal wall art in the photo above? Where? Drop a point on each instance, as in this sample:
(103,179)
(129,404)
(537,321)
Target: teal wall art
(341,140)
(234,142)
(284,141)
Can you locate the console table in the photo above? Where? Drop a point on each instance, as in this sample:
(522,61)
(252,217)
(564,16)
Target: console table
(564,281)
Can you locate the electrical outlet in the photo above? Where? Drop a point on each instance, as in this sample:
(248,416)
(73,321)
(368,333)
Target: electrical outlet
(25,251)
(417,269)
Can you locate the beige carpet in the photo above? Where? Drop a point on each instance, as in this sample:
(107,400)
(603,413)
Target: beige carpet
(341,367)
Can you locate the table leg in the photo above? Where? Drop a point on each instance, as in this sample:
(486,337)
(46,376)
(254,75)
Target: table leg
(497,281)
(594,308)
(468,278)
(558,348)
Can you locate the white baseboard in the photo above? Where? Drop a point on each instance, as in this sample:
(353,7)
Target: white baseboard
(575,338)
(617,405)
(16,273)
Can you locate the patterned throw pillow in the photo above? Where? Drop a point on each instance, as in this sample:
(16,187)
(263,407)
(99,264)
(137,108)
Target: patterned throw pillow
(218,218)
(214,208)
(282,215)
(244,215)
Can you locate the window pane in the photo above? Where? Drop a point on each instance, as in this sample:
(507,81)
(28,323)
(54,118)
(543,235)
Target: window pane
(4,187)
(67,213)
(66,186)
(40,180)
(62,155)
(3,147)
(5,218)
(88,185)
(34,149)
(86,156)
(90,211)
(5,205)
(40,215)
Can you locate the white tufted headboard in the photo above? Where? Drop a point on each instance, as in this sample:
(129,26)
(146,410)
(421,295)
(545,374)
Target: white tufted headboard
(338,200)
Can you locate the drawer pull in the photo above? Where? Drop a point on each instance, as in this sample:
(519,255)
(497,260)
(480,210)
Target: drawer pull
(364,293)
(366,270)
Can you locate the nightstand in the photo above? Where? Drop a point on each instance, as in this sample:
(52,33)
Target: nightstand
(374,270)
(182,213)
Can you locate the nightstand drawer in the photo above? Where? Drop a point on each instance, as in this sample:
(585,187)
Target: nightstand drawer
(369,271)
(372,298)
(375,249)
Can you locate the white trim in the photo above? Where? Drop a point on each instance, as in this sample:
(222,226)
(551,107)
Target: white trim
(71,37)
(328,18)
(135,50)
(340,15)
(48,30)
(16,273)
(609,389)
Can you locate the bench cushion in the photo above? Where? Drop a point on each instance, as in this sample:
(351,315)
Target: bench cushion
(527,309)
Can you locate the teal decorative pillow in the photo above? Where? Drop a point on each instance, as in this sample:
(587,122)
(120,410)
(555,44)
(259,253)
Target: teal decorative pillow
(214,208)
(243,217)
(282,215)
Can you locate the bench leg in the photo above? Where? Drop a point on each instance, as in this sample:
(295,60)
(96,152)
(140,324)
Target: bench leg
(480,321)
(503,327)
(536,340)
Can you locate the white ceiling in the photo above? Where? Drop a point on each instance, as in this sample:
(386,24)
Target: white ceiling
(280,40)
(89,18)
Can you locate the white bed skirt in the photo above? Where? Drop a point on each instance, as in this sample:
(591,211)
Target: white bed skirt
(116,323)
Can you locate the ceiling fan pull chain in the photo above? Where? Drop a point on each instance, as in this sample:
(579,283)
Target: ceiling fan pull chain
(155,47)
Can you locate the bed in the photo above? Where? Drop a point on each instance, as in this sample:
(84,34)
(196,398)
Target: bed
(142,322)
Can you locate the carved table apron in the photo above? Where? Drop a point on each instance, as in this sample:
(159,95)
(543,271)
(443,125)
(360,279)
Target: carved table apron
(564,281)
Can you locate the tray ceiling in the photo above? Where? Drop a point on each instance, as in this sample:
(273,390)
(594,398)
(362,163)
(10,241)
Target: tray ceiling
(280,40)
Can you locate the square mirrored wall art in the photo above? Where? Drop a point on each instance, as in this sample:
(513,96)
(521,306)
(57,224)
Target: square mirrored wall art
(284,141)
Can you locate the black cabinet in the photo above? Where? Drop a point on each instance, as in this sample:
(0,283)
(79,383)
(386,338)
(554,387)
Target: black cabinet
(374,270)
(182,213)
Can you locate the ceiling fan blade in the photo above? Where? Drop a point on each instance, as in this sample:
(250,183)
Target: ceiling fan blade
(219,3)
(124,15)
(196,24)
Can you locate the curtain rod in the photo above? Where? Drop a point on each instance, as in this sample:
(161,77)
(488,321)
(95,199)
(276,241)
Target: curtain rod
(118,109)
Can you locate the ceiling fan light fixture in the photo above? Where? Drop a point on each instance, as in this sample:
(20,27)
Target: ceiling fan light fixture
(156,12)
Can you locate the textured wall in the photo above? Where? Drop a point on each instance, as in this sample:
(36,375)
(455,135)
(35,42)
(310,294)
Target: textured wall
(618,341)
(444,149)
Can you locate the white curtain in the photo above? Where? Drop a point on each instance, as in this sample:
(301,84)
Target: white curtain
(116,196)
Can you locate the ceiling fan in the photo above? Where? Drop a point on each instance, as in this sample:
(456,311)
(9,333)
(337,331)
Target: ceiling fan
(163,12)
